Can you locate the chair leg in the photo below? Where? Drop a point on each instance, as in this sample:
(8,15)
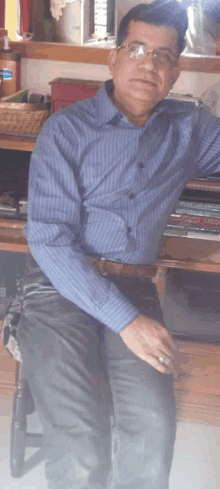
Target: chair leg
(18,427)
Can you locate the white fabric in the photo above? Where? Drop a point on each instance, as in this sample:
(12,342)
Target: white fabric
(56,7)
(10,324)
(201,33)
(12,345)
(211,98)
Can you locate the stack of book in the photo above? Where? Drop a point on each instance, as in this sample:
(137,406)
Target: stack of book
(196,214)
(198,210)
(12,206)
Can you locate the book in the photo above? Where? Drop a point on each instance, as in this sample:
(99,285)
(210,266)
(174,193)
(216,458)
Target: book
(189,220)
(204,185)
(197,208)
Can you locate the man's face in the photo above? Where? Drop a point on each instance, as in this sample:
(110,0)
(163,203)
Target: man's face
(140,84)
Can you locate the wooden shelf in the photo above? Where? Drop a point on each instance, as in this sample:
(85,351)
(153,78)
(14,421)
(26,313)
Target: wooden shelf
(197,390)
(11,236)
(188,253)
(99,55)
(9,141)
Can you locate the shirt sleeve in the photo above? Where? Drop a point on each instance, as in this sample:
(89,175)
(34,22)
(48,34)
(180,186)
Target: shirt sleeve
(54,210)
(207,140)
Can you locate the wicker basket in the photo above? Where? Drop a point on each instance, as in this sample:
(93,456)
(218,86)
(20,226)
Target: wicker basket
(17,116)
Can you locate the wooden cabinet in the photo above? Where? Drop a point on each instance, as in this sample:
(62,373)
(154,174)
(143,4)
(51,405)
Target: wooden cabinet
(65,91)
(197,389)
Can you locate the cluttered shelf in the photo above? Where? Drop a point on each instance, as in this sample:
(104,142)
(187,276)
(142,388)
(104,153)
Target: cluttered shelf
(99,55)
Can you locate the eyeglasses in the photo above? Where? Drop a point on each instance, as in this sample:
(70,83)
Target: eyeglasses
(162,57)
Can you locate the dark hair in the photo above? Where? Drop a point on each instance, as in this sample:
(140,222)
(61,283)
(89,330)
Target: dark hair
(160,12)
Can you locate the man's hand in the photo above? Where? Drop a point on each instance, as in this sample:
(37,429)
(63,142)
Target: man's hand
(150,340)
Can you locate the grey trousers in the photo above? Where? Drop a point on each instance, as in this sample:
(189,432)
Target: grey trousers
(108,417)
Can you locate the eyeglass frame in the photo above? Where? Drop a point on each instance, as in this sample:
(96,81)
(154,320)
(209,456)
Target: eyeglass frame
(174,58)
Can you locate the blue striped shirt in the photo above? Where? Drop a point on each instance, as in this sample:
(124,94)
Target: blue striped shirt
(98,185)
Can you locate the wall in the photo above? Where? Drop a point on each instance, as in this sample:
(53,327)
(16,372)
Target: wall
(36,75)
(195,83)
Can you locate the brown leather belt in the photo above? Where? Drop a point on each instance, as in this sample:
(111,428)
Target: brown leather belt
(107,267)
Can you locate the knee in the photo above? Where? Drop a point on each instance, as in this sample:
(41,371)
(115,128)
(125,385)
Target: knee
(151,424)
(161,426)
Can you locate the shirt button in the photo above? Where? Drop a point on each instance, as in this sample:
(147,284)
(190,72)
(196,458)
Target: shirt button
(129,229)
(141,165)
(131,196)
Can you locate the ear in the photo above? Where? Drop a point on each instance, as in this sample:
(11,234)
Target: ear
(175,73)
(112,59)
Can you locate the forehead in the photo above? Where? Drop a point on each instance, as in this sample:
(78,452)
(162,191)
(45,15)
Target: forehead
(153,35)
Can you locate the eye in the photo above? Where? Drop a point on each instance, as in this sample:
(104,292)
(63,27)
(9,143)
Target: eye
(136,51)
(163,56)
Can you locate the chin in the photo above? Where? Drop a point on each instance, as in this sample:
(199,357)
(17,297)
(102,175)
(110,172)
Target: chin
(143,93)
(143,101)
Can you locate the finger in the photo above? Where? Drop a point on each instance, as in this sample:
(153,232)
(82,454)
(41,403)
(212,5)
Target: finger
(163,351)
(175,371)
(159,349)
(170,363)
(166,340)
(169,339)
(167,334)
(165,359)
(154,362)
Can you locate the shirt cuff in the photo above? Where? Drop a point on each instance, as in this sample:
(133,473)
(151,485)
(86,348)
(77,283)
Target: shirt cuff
(118,312)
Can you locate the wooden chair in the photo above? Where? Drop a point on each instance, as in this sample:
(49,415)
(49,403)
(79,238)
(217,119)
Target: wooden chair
(23,406)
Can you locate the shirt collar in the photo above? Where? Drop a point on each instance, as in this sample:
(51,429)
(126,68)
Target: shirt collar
(106,110)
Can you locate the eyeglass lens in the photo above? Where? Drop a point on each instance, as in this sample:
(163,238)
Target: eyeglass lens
(139,51)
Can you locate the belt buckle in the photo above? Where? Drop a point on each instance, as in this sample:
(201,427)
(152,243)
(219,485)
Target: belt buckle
(104,260)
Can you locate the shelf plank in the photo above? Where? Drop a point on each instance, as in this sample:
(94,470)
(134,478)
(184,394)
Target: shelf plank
(99,55)
(9,141)
(201,266)
(11,236)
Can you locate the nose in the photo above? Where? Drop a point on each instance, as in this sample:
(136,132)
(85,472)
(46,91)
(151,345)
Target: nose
(148,62)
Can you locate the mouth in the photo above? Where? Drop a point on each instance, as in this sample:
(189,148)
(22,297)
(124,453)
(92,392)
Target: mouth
(145,82)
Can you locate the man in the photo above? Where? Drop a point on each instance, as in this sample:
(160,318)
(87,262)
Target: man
(105,175)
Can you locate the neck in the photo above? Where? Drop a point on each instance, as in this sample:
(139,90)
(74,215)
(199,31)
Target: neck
(138,119)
